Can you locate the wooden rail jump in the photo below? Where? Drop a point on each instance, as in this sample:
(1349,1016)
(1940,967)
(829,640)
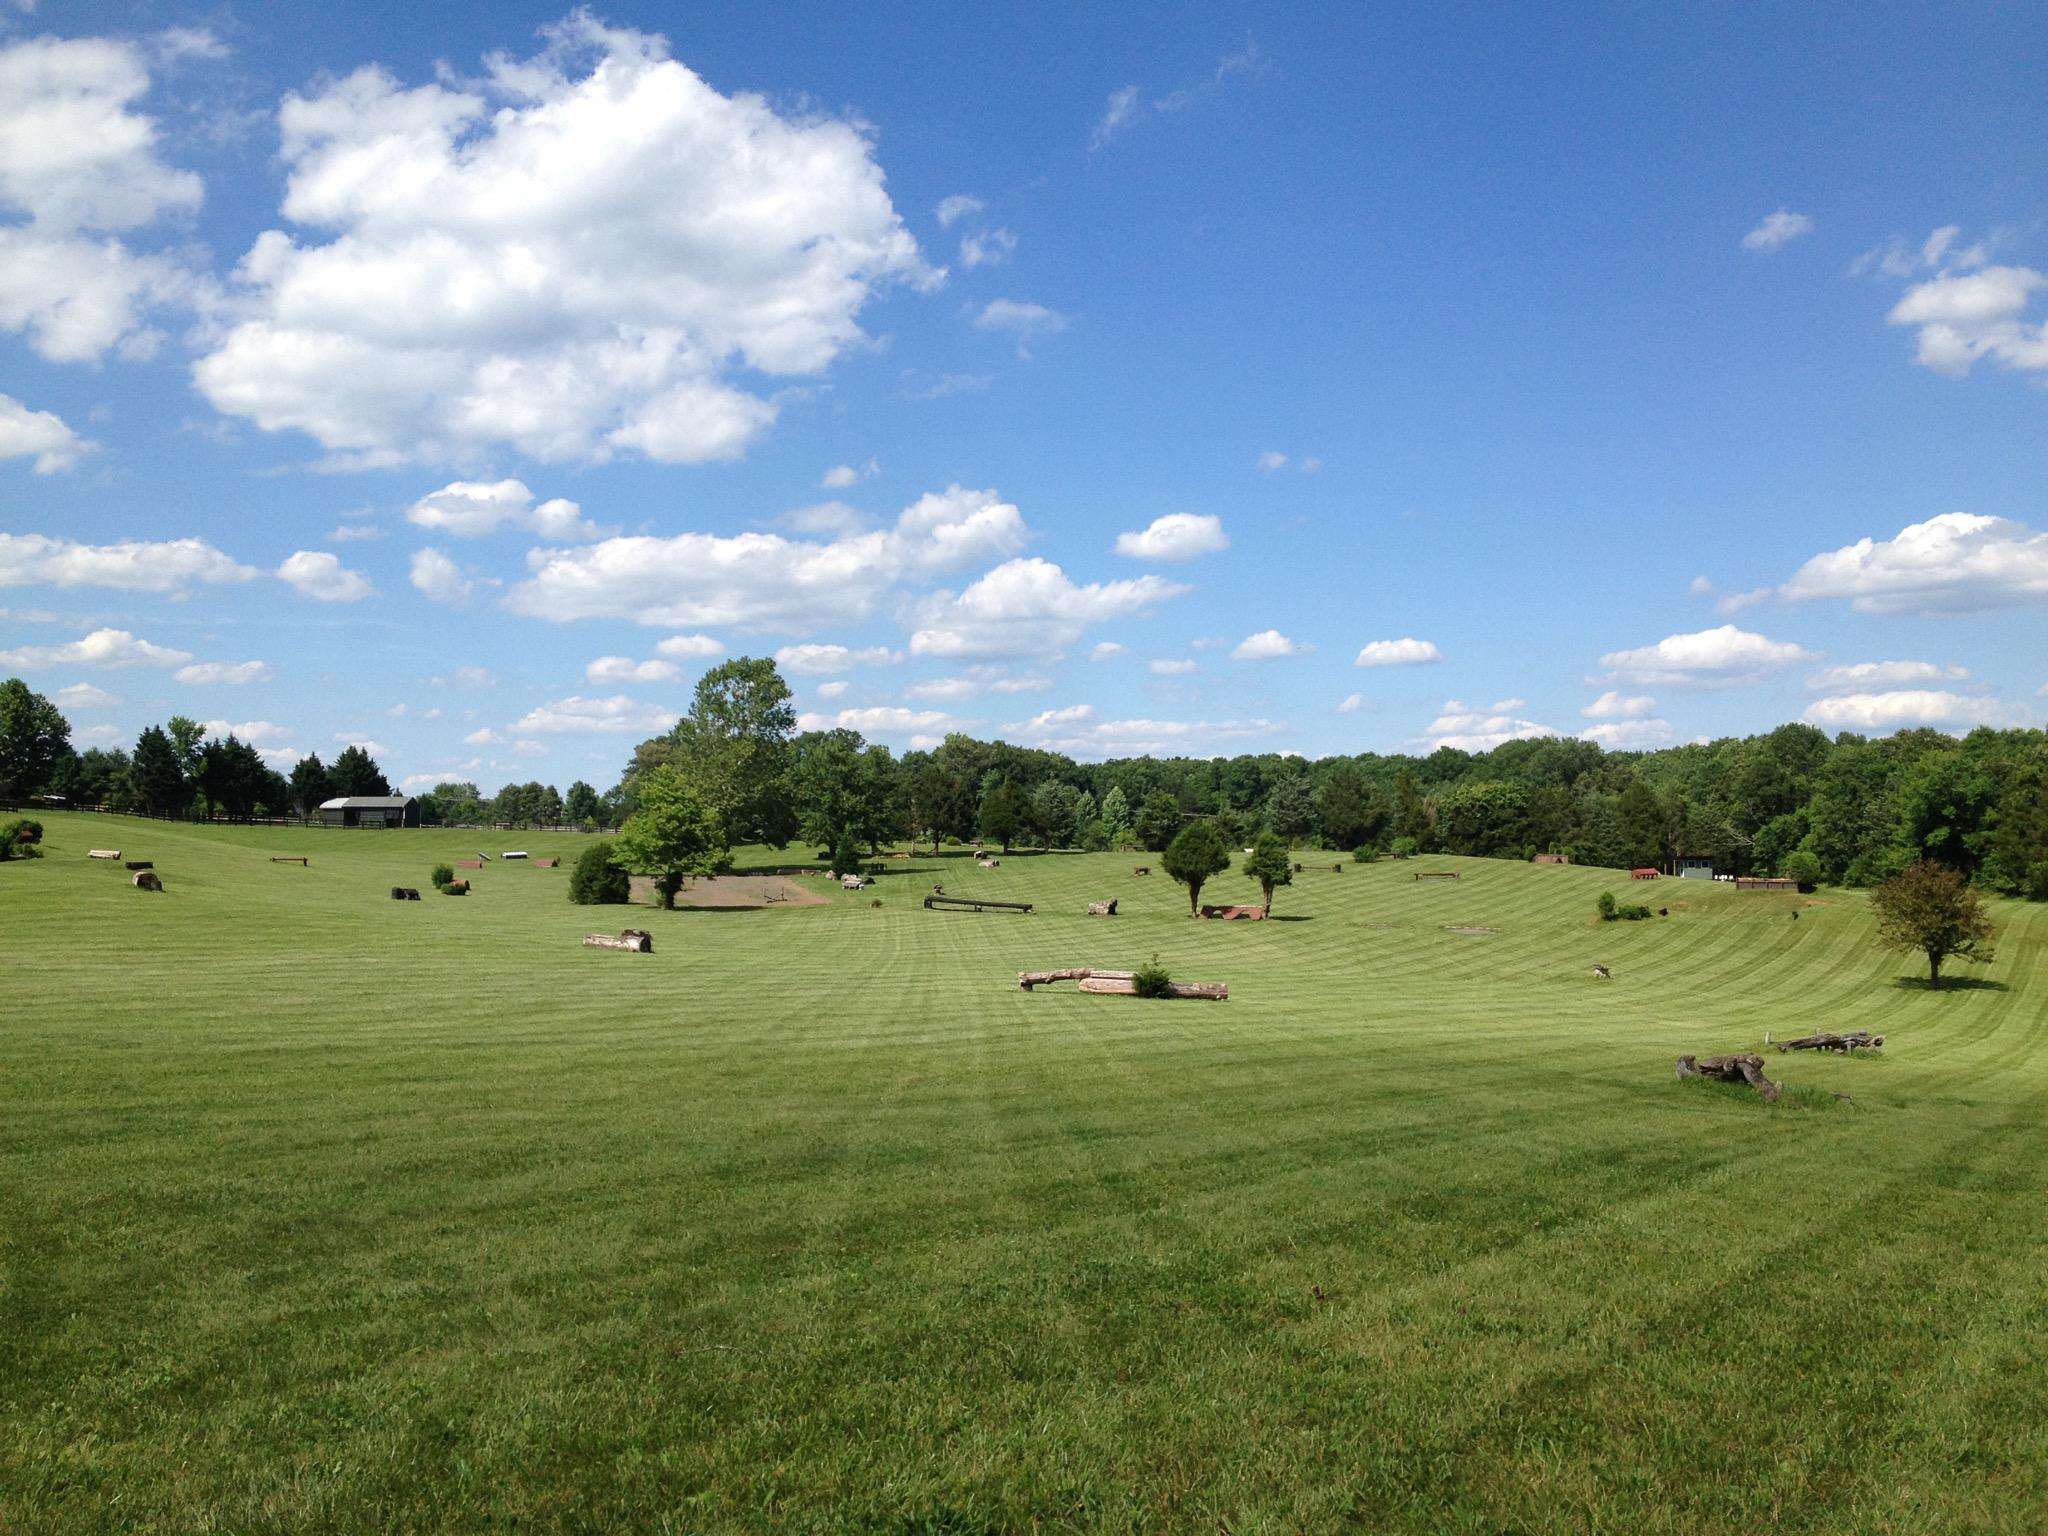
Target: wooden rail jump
(969,904)
(1437,874)
(290,858)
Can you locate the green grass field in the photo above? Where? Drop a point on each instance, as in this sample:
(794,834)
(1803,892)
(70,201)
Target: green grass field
(325,1213)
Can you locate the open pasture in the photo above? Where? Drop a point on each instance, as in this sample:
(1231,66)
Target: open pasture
(322,1212)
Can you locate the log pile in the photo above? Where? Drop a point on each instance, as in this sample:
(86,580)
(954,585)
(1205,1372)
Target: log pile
(637,940)
(1743,1067)
(1120,983)
(1849,1044)
(1102,908)
(146,880)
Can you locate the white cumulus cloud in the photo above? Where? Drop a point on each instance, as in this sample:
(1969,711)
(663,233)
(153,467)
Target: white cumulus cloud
(623,669)
(131,565)
(1958,562)
(1022,319)
(826,660)
(1268,645)
(1868,676)
(579,714)
(574,255)
(469,509)
(1961,317)
(1726,655)
(1176,536)
(1405,652)
(1777,230)
(38,435)
(1630,735)
(439,578)
(231,674)
(321,576)
(83,696)
(101,648)
(1480,730)
(1894,709)
(1028,608)
(690,647)
(1614,705)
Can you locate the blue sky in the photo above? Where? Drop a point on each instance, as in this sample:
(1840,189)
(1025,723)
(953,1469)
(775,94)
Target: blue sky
(1228,378)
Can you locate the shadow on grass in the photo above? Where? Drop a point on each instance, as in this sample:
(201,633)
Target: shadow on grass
(1950,984)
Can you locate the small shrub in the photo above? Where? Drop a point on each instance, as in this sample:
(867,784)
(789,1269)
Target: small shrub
(2037,881)
(1803,867)
(442,875)
(1635,914)
(19,839)
(455,888)
(1364,853)
(1151,979)
(1608,911)
(596,881)
(1406,848)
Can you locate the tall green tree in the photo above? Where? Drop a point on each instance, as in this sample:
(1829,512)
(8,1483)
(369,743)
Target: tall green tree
(581,804)
(1003,813)
(1159,821)
(355,772)
(1269,864)
(1116,816)
(1931,907)
(1195,854)
(674,835)
(1291,808)
(157,778)
(34,738)
(735,746)
(310,785)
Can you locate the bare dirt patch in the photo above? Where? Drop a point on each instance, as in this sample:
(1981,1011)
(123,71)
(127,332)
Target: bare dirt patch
(734,892)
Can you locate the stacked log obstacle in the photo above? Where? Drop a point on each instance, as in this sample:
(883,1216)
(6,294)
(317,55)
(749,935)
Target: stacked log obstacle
(1121,983)
(1743,1067)
(103,853)
(637,940)
(1102,908)
(134,864)
(1142,869)
(291,858)
(146,880)
(969,904)
(455,888)
(1235,914)
(404,893)
(1849,1044)
(1436,874)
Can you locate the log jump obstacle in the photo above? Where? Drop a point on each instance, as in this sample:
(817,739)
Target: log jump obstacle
(969,904)
(1102,908)
(404,893)
(1121,983)
(636,940)
(1436,874)
(291,858)
(1743,1067)
(1235,914)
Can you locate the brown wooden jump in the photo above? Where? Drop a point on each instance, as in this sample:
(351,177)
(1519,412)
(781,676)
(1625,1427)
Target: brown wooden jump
(968,904)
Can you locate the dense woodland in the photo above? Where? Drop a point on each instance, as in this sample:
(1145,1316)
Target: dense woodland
(1841,810)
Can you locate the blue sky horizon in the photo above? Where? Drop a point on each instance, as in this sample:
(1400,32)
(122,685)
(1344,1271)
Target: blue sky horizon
(1214,379)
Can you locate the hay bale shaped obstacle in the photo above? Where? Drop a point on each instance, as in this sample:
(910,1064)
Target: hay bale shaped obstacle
(146,880)
(1102,908)
(634,940)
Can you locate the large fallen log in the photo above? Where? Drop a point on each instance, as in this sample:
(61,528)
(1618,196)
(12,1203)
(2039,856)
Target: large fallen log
(1743,1067)
(1855,1040)
(1102,908)
(1119,983)
(633,939)
(1113,986)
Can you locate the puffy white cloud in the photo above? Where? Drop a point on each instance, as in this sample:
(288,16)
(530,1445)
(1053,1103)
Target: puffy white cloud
(572,256)
(1176,536)
(952,210)
(1172,666)
(1022,319)
(1614,705)
(1629,735)
(78,164)
(39,435)
(469,509)
(832,690)
(986,247)
(101,648)
(1958,562)
(131,565)
(1896,708)
(1352,704)
(623,669)
(763,580)
(578,714)
(483,736)
(1405,652)
(825,660)
(232,674)
(1866,676)
(1709,657)
(98,736)
(258,733)
(1776,230)
(1268,645)
(439,578)
(1078,731)
(690,647)
(1962,317)
(1480,730)
(321,576)
(83,696)
(881,720)
(1028,608)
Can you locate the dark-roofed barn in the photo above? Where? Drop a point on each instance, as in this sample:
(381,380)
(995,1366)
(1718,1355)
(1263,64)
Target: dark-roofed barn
(369,811)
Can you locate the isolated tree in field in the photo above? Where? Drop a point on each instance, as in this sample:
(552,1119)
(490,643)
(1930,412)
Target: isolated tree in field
(34,738)
(355,772)
(1159,821)
(673,835)
(735,745)
(1268,864)
(1932,908)
(1195,855)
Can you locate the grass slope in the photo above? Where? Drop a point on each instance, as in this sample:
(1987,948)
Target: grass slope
(320,1212)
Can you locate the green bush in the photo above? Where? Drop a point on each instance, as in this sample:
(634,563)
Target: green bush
(455,888)
(1803,867)
(596,881)
(1406,848)
(1607,907)
(1364,853)
(19,837)
(2037,881)
(442,875)
(1151,979)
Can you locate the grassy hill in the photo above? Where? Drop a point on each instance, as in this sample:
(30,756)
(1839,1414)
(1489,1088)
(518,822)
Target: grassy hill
(321,1212)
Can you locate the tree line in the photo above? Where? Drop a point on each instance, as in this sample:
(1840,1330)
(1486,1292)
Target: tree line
(1846,809)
